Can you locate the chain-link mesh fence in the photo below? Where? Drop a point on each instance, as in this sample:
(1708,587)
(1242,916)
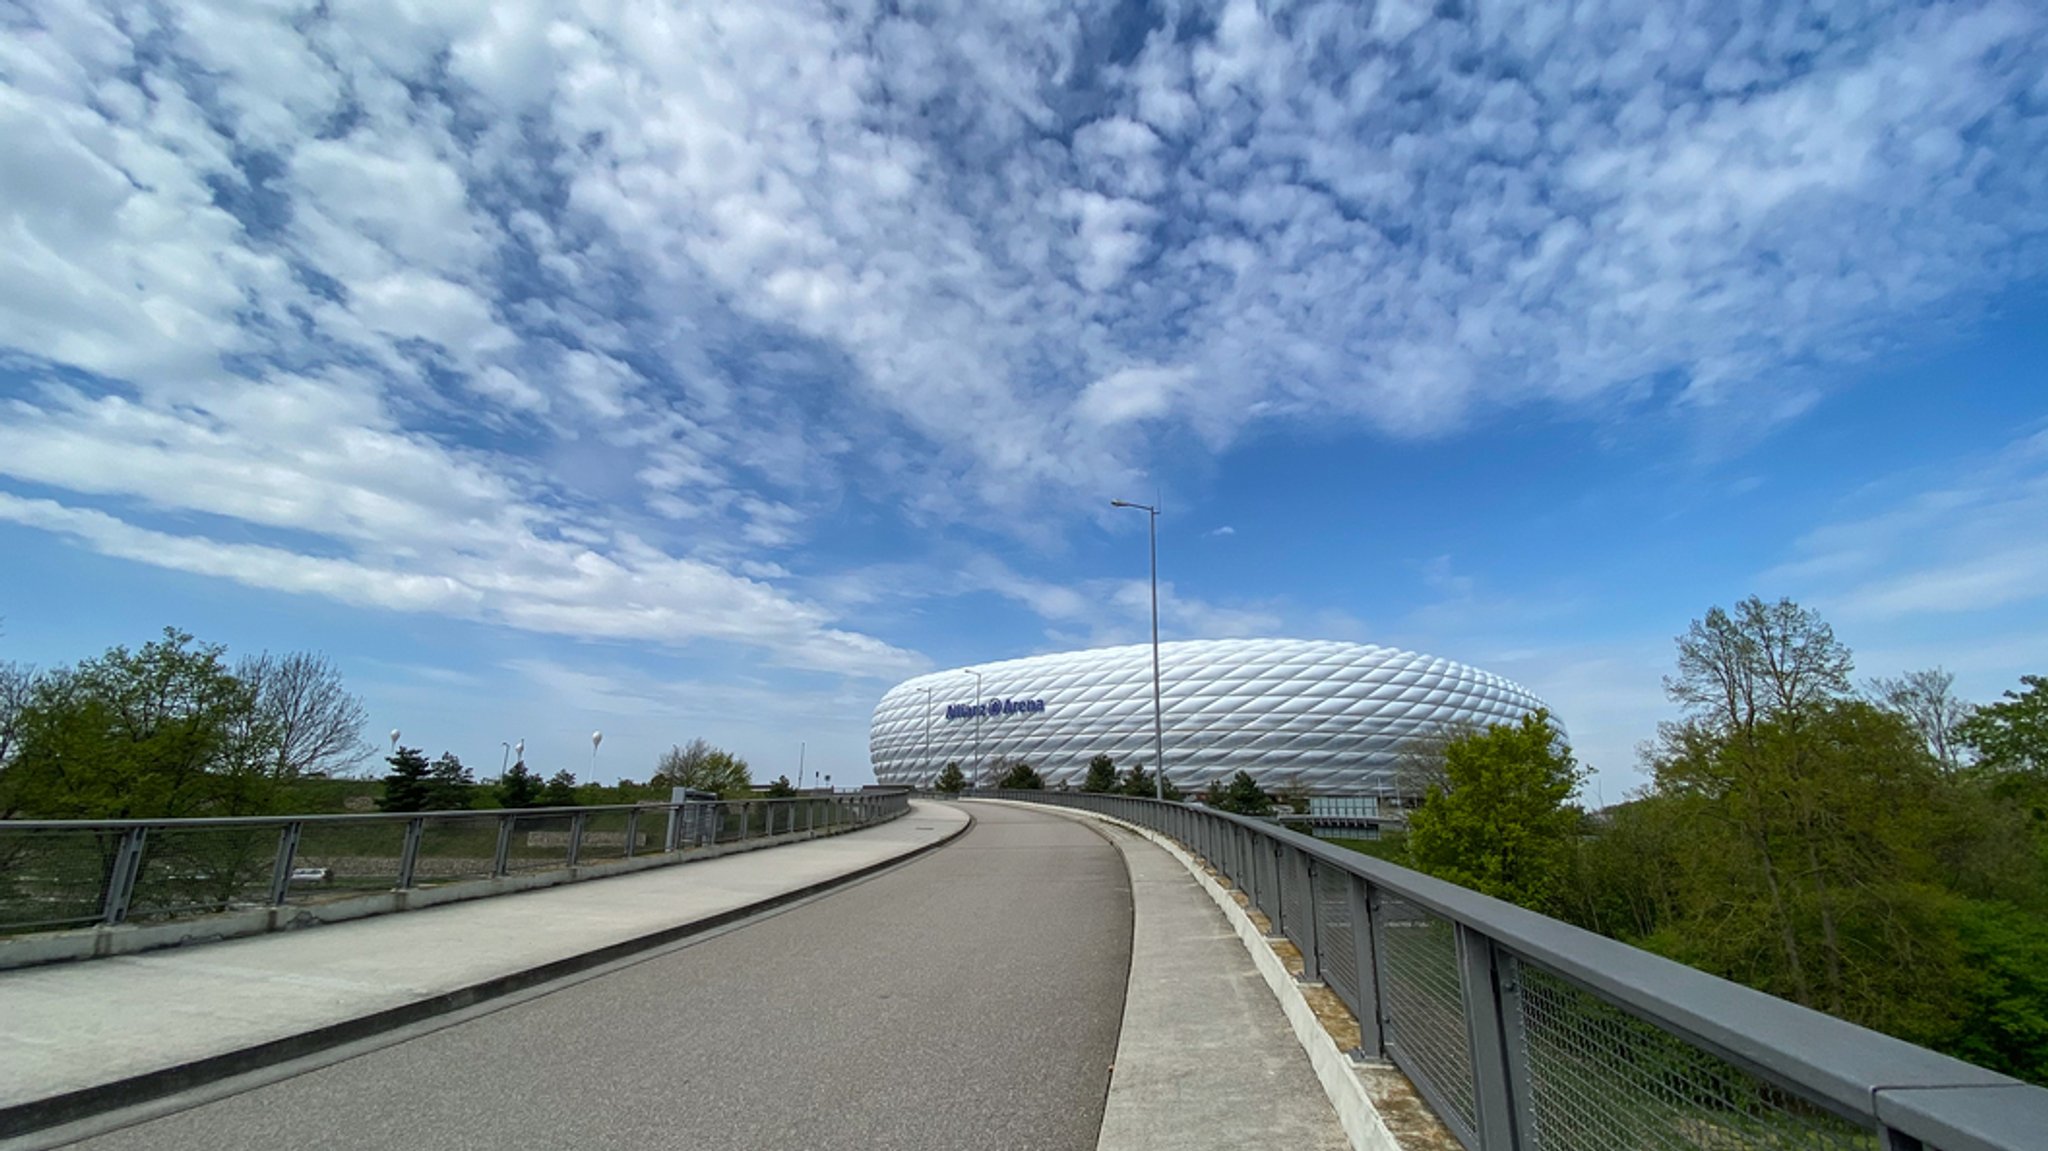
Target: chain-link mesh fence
(55,879)
(1603,1080)
(1427,1036)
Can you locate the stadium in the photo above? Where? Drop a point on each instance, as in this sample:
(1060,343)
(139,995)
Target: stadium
(1325,717)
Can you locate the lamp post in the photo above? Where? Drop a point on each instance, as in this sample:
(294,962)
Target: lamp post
(800,764)
(504,760)
(977,725)
(1158,720)
(928,733)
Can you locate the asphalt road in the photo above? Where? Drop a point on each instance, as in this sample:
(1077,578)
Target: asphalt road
(968,999)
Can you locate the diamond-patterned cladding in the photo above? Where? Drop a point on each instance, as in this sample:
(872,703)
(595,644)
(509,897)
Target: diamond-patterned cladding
(1322,715)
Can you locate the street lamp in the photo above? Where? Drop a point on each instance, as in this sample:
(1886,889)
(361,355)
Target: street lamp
(505,759)
(977,725)
(1158,720)
(928,733)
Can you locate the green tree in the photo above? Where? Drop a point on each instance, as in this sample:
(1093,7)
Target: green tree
(1504,828)
(781,788)
(560,791)
(1242,795)
(1021,777)
(406,786)
(163,732)
(703,767)
(449,785)
(1101,775)
(518,787)
(2012,734)
(951,780)
(1138,782)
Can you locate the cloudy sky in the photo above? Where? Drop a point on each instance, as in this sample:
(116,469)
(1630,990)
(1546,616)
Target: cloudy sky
(704,369)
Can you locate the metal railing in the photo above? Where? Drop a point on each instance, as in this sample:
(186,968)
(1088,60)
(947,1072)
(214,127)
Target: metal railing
(1524,1032)
(59,874)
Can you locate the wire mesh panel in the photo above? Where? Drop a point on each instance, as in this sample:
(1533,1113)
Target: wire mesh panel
(54,879)
(1340,960)
(454,848)
(190,870)
(1604,1080)
(342,858)
(539,843)
(604,836)
(1427,1037)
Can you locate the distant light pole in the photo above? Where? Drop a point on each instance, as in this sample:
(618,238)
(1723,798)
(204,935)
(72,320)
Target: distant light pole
(928,733)
(977,725)
(800,765)
(504,760)
(394,741)
(596,737)
(1158,719)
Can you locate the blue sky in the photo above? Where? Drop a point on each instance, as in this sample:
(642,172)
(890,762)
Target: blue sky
(705,370)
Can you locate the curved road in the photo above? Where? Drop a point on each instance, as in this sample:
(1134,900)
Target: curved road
(970,998)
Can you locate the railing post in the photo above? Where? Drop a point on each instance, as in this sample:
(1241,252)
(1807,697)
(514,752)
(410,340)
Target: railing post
(575,838)
(1365,951)
(1312,947)
(1278,917)
(632,830)
(281,871)
(501,859)
(121,879)
(409,855)
(1489,988)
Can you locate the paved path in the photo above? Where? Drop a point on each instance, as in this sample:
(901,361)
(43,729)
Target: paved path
(75,1025)
(970,998)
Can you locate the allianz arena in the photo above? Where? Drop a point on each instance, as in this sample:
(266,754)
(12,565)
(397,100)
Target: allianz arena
(1324,716)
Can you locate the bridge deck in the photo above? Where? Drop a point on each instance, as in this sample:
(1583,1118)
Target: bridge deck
(973,997)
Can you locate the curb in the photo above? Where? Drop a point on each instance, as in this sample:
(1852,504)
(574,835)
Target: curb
(1361,1121)
(86,1102)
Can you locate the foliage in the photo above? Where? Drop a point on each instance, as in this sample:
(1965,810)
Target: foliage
(1927,700)
(518,787)
(1242,795)
(2012,734)
(450,786)
(1139,782)
(951,780)
(703,767)
(1503,827)
(166,731)
(1101,775)
(405,785)
(17,687)
(1021,777)
(560,790)
(781,788)
(316,723)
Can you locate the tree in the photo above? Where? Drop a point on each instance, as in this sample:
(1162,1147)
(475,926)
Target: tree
(317,724)
(1138,782)
(1504,827)
(1101,775)
(518,787)
(1242,795)
(951,781)
(2012,734)
(703,767)
(163,732)
(1021,777)
(449,786)
(405,785)
(781,788)
(1927,700)
(17,688)
(560,791)
(1419,760)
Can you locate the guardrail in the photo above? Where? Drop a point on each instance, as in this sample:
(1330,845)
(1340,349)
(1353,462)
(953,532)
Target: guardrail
(58,874)
(1525,1033)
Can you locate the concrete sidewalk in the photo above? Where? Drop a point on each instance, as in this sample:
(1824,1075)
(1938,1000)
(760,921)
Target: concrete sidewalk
(75,1027)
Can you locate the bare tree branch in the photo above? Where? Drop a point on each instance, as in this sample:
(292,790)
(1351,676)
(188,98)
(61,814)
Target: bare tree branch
(318,723)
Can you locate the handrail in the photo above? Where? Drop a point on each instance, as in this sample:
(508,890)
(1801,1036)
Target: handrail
(1550,1010)
(58,874)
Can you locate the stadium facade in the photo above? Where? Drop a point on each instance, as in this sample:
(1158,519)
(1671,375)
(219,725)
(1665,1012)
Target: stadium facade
(1324,716)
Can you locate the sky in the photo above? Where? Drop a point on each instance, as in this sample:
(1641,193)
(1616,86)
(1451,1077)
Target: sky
(703,370)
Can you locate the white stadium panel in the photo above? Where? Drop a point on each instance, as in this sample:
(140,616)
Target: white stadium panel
(1321,715)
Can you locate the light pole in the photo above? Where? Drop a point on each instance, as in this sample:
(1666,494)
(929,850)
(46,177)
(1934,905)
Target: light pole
(800,765)
(1158,720)
(977,725)
(928,734)
(504,760)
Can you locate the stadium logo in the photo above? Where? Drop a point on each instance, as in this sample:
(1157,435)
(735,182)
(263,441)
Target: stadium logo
(994,707)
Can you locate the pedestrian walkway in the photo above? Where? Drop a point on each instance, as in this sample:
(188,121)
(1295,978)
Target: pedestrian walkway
(74,1027)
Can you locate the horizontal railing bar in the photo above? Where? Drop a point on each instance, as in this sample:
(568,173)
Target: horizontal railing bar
(182,823)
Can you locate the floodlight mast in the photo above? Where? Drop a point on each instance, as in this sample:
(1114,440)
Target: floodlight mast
(1158,718)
